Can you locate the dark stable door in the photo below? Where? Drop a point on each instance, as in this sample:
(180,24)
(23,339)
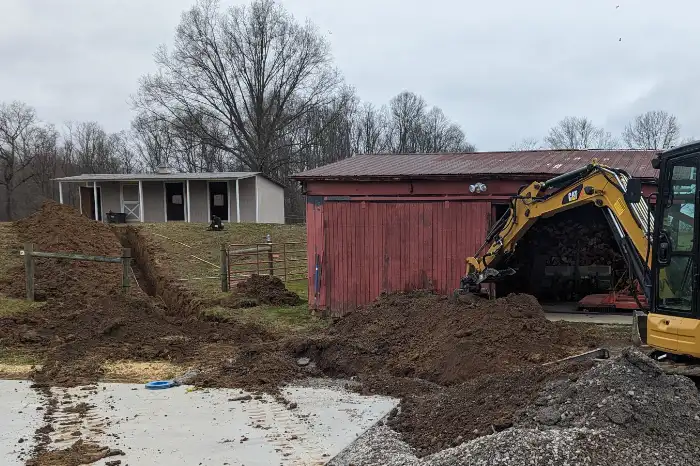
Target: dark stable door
(676,273)
(175,202)
(218,199)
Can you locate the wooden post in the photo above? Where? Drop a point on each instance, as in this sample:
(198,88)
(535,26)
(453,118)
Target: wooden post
(96,204)
(238,203)
(29,269)
(224,267)
(141,215)
(270,261)
(60,192)
(189,218)
(126,266)
(284,261)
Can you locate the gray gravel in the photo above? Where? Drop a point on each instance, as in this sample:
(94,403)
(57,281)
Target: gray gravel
(623,412)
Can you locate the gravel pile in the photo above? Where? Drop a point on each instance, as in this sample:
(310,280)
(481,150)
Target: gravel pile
(622,412)
(631,392)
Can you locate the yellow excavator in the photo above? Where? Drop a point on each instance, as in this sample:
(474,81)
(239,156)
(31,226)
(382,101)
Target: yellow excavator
(659,247)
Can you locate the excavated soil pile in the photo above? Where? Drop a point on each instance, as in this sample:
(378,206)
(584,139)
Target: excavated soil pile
(620,412)
(60,228)
(422,335)
(266,289)
(87,320)
(77,340)
(487,404)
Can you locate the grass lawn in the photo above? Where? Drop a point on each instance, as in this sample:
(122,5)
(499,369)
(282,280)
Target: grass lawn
(193,253)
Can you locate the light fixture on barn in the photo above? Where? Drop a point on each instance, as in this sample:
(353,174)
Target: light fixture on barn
(477,188)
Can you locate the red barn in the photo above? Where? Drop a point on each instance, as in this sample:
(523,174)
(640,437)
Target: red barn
(383,223)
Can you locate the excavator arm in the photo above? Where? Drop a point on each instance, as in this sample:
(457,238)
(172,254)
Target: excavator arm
(610,189)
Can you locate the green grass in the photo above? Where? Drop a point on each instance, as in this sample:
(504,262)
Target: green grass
(277,318)
(189,262)
(12,357)
(174,239)
(11,306)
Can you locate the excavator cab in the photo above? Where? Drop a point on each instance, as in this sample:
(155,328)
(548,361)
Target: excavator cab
(673,322)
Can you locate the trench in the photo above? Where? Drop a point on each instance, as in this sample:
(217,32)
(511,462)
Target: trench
(151,278)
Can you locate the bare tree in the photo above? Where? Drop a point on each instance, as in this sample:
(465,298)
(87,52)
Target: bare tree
(579,133)
(252,72)
(18,127)
(526,144)
(656,129)
(407,111)
(369,129)
(152,140)
(436,133)
(46,161)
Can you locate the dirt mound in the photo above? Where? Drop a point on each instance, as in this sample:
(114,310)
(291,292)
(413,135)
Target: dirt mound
(267,290)
(422,335)
(573,421)
(60,228)
(631,392)
(78,342)
(482,406)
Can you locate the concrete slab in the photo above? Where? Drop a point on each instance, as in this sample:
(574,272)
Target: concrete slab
(179,426)
(19,418)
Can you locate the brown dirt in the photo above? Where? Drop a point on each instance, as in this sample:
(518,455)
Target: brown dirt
(490,403)
(59,228)
(459,367)
(267,290)
(422,335)
(88,321)
(79,453)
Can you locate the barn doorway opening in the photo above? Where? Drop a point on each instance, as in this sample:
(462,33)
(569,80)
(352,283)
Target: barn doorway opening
(87,202)
(175,202)
(568,256)
(218,199)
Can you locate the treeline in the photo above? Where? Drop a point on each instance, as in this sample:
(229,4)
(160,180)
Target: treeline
(250,88)
(247,88)
(654,130)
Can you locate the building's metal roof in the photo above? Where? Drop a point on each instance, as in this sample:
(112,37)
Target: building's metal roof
(157,176)
(500,164)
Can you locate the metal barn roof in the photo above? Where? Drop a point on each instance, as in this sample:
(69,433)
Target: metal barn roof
(506,164)
(157,176)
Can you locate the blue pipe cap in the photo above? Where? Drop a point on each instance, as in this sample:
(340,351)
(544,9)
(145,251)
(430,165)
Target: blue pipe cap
(160,384)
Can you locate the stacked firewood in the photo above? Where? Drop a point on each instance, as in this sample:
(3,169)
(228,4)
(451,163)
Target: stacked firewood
(573,242)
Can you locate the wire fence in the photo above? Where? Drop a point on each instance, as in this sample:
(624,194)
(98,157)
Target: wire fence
(287,261)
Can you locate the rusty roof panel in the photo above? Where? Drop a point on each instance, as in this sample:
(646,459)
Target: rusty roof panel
(539,162)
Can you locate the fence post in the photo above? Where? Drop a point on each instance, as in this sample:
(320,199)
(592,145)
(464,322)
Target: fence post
(284,261)
(271,264)
(126,266)
(224,268)
(29,269)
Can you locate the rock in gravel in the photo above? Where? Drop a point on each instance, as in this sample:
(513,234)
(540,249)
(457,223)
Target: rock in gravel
(303,362)
(548,416)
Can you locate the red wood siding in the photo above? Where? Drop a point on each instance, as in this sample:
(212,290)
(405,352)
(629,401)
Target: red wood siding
(369,247)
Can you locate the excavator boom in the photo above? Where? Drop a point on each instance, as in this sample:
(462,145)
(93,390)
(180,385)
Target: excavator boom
(610,189)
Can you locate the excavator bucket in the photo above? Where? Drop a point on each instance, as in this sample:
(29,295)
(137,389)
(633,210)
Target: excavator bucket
(639,328)
(471,283)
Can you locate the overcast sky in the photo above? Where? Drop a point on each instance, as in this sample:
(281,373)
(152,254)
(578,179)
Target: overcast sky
(503,70)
